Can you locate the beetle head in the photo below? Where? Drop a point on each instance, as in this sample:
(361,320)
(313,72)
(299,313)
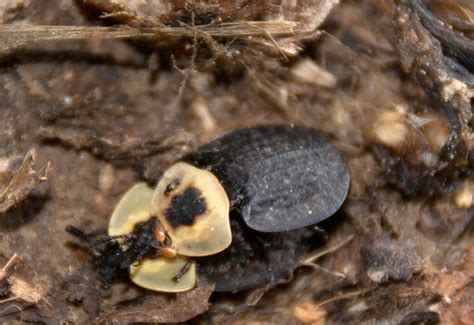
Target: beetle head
(115,254)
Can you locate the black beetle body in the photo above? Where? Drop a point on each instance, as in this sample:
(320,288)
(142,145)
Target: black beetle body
(255,259)
(237,210)
(279,177)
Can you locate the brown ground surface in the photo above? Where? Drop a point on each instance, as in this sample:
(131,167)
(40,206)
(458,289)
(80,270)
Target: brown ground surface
(82,120)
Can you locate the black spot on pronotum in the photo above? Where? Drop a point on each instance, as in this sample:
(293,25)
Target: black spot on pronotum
(185,208)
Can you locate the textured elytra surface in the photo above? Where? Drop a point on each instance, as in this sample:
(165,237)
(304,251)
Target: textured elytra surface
(279,177)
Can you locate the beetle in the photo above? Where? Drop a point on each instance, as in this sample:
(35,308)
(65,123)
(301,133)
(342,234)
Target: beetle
(274,181)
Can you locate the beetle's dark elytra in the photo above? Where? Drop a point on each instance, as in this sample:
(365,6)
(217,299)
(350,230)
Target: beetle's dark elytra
(279,177)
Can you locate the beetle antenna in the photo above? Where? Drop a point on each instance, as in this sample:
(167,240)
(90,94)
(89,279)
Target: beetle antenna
(78,233)
(183,271)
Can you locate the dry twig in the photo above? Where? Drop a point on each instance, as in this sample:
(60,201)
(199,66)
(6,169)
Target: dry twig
(12,37)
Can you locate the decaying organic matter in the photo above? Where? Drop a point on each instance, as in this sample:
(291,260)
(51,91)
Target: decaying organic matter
(17,185)
(109,93)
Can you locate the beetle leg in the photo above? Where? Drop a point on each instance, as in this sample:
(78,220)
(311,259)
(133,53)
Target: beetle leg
(160,234)
(164,239)
(167,251)
(321,233)
(183,271)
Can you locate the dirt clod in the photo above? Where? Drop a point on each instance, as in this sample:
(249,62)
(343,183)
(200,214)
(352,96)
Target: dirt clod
(387,259)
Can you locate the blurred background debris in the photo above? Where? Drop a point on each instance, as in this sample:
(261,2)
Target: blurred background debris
(97,94)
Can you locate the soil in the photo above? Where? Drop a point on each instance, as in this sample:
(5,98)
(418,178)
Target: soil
(87,112)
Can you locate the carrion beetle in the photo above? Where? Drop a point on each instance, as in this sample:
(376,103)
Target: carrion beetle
(236,212)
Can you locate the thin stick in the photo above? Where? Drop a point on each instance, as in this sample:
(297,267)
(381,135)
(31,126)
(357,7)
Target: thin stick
(16,36)
(344,296)
(273,40)
(47,303)
(320,268)
(316,256)
(4,270)
(10,262)
(8,299)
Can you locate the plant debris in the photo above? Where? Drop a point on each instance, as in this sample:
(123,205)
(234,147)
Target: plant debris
(309,313)
(445,79)
(184,307)
(112,92)
(455,289)
(386,258)
(16,186)
(19,289)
